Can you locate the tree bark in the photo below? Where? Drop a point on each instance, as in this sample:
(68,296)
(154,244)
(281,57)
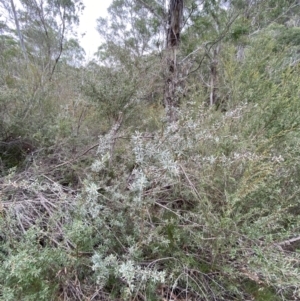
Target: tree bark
(175,16)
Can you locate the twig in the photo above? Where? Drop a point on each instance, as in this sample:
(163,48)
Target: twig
(288,242)
(112,134)
(75,159)
(151,9)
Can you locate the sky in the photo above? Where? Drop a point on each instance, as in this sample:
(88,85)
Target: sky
(93,10)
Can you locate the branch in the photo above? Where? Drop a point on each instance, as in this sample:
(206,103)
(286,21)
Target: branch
(220,38)
(288,242)
(60,42)
(112,133)
(151,9)
(76,158)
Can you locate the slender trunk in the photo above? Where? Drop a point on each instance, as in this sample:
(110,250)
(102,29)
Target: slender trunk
(19,30)
(213,99)
(240,54)
(171,100)
(62,16)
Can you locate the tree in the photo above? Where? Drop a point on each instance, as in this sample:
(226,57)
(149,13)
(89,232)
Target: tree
(46,25)
(207,27)
(21,40)
(42,28)
(73,53)
(131,34)
(130,27)
(175,18)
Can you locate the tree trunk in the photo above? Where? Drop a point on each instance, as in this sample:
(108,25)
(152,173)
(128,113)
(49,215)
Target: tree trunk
(175,16)
(213,98)
(19,30)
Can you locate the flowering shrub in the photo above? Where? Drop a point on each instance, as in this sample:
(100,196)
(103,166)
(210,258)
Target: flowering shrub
(205,208)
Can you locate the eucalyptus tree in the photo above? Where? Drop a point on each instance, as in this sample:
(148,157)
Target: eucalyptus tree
(130,28)
(46,25)
(262,13)
(131,45)
(137,30)
(43,27)
(194,31)
(185,35)
(21,40)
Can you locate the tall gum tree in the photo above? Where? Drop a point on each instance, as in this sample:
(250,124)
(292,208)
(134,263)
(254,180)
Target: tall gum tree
(43,27)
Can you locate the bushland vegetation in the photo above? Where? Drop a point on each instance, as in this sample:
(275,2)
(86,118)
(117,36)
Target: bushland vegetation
(103,197)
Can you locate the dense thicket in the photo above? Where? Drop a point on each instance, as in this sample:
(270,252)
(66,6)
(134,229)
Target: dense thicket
(103,197)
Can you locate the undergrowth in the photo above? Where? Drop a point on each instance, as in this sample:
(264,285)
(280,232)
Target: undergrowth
(197,210)
(205,208)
